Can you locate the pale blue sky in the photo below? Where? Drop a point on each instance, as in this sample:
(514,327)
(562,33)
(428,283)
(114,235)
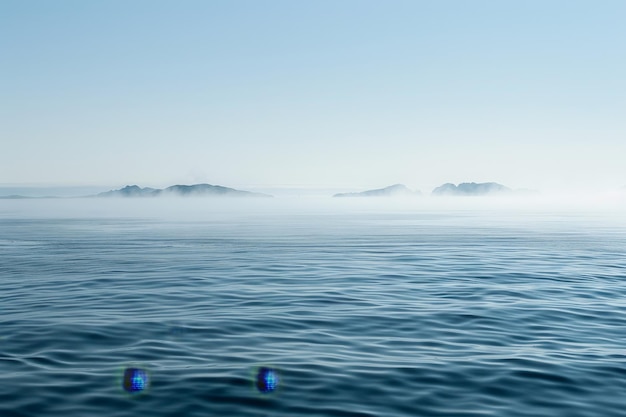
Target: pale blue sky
(355,94)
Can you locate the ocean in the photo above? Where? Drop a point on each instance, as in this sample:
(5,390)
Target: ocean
(361,308)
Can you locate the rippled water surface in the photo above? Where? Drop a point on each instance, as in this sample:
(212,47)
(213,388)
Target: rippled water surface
(362,312)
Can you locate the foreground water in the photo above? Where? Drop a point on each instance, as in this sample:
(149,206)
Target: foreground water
(363,312)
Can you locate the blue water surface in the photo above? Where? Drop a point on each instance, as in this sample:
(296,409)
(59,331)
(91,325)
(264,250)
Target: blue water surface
(363,313)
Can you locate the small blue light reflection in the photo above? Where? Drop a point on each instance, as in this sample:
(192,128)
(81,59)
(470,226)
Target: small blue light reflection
(267,380)
(135,380)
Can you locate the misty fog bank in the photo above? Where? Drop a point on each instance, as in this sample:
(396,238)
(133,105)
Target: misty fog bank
(214,209)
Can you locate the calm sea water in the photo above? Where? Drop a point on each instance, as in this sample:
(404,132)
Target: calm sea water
(363,312)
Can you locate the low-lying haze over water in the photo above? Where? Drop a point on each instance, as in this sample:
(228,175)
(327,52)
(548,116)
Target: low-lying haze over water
(174,207)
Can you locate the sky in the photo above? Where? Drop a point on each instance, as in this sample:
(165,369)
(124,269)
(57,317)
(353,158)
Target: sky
(337,94)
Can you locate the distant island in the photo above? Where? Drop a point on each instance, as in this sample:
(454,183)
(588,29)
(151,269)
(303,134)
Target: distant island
(471,189)
(391,191)
(196,190)
(14,197)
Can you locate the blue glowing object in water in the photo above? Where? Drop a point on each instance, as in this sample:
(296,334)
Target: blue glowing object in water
(267,380)
(135,379)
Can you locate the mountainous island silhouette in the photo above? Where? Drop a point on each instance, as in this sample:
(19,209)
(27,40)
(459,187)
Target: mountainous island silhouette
(391,191)
(471,189)
(196,190)
(448,189)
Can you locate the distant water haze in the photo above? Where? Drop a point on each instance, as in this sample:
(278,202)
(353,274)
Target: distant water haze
(217,209)
(52,190)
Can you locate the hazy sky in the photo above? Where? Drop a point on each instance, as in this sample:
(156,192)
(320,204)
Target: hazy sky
(338,93)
